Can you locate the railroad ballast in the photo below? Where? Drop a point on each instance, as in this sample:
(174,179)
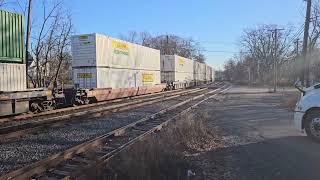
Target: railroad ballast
(104,68)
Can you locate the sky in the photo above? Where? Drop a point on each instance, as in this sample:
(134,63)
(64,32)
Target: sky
(216,24)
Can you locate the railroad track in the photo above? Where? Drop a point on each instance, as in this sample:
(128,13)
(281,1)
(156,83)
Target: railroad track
(7,121)
(35,125)
(75,161)
(58,112)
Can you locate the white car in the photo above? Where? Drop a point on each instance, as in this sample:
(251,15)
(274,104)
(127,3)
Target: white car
(307,111)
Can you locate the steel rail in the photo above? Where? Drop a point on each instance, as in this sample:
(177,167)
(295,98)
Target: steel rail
(67,109)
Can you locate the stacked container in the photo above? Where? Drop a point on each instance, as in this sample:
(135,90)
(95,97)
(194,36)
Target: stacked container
(176,69)
(11,37)
(12,69)
(199,71)
(212,75)
(103,62)
(12,77)
(208,74)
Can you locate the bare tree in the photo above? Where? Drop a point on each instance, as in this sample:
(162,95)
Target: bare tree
(260,46)
(2,3)
(314,26)
(63,44)
(40,36)
(51,44)
(136,37)
(167,44)
(259,50)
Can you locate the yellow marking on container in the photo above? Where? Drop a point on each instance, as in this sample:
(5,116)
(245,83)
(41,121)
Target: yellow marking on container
(181,61)
(147,77)
(83,37)
(49,93)
(84,75)
(120,45)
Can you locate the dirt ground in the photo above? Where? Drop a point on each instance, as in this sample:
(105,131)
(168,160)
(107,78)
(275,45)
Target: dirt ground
(258,137)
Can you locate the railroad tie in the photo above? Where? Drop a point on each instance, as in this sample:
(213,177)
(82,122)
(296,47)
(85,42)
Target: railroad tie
(81,160)
(61,172)
(140,128)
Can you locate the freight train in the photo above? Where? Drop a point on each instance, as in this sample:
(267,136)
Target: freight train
(103,68)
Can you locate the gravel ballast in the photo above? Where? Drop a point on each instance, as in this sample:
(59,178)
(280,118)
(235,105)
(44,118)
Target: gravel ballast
(34,147)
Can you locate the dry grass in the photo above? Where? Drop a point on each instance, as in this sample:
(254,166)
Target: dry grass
(162,156)
(192,133)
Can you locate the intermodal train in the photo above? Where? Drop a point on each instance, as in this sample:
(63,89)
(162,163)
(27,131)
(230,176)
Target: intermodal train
(103,68)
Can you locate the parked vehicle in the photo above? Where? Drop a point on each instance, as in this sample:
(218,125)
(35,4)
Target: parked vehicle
(307,111)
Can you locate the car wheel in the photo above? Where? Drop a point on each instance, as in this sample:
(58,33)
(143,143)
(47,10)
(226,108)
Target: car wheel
(312,125)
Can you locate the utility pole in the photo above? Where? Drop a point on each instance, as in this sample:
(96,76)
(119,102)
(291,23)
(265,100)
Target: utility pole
(28,38)
(305,75)
(167,44)
(275,58)
(297,46)
(249,76)
(296,60)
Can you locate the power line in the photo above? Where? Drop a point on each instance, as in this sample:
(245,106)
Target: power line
(299,32)
(216,42)
(219,51)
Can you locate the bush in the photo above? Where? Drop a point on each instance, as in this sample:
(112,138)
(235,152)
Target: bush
(161,156)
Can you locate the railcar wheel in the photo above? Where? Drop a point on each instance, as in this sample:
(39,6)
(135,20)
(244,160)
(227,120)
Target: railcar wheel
(35,107)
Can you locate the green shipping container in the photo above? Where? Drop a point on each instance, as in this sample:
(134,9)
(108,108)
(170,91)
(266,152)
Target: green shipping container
(11,37)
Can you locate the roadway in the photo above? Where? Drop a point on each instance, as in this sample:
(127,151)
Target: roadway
(259,141)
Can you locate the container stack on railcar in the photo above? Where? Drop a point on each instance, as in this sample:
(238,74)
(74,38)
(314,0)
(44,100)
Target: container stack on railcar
(212,75)
(15,98)
(106,68)
(177,71)
(209,74)
(180,72)
(199,73)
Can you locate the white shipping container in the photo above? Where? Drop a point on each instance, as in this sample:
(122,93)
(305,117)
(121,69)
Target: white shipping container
(88,77)
(103,51)
(199,71)
(208,73)
(176,69)
(196,70)
(212,75)
(12,77)
(103,62)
